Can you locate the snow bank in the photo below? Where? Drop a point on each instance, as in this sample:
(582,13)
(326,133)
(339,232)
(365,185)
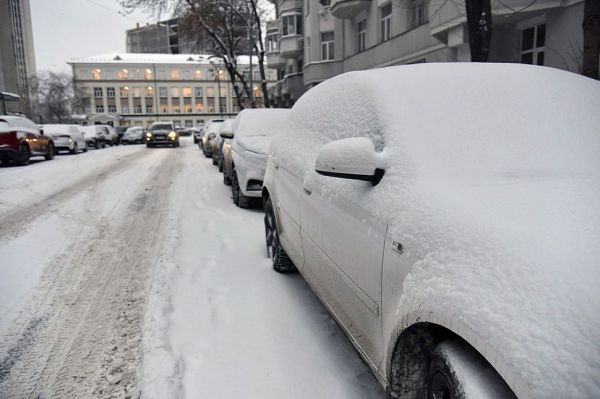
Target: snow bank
(494,178)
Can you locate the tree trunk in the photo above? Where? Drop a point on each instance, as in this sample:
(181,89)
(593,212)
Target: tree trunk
(591,39)
(479,24)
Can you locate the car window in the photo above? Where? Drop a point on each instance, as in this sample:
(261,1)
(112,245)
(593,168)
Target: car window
(162,126)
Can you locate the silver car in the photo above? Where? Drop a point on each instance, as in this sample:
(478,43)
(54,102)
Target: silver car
(448,217)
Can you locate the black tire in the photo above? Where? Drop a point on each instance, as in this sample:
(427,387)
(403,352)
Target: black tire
(75,149)
(148,145)
(226,179)
(103,144)
(49,152)
(220,163)
(85,149)
(24,155)
(214,161)
(281,261)
(239,198)
(96,145)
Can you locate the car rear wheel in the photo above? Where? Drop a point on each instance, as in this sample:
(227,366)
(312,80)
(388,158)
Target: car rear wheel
(226,179)
(214,160)
(220,163)
(24,154)
(49,152)
(238,197)
(281,262)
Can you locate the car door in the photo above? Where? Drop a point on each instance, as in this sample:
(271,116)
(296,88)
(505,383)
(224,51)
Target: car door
(287,187)
(343,250)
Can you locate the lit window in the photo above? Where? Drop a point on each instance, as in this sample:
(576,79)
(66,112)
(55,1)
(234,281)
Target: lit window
(124,91)
(175,74)
(137,92)
(123,74)
(327,48)
(198,74)
(148,74)
(210,92)
(385,23)
(199,107)
(533,42)
(96,74)
(223,92)
(187,91)
(175,92)
(149,91)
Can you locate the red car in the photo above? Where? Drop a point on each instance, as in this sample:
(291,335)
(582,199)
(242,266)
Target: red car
(21,139)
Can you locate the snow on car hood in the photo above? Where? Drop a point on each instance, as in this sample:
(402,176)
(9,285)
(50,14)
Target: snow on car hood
(492,185)
(254,128)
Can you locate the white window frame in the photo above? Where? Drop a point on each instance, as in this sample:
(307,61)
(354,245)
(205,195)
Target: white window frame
(98,92)
(99,109)
(535,51)
(418,13)
(385,23)
(361,36)
(328,47)
(285,26)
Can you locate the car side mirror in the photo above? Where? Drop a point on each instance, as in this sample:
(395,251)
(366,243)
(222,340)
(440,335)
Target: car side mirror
(42,132)
(352,158)
(226,134)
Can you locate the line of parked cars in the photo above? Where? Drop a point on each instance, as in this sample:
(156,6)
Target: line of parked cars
(21,139)
(447,217)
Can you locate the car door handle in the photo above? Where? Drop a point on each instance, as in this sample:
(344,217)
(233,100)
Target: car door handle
(307,189)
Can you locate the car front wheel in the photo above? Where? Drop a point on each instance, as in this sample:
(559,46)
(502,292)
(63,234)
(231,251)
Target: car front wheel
(238,197)
(49,152)
(281,262)
(24,155)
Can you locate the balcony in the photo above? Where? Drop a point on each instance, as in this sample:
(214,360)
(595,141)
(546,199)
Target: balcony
(274,61)
(348,8)
(319,71)
(293,86)
(291,46)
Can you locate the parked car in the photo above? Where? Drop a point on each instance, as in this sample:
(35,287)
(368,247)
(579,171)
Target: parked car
(217,144)
(21,139)
(197,133)
(184,131)
(66,138)
(447,216)
(112,137)
(134,135)
(245,164)
(226,165)
(95,136)
(211,127)
(162,133)
(121,131)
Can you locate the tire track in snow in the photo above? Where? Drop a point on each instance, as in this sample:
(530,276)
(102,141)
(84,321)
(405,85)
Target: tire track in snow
(92,301)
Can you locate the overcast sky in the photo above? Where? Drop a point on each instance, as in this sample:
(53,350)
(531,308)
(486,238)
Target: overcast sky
(67,29)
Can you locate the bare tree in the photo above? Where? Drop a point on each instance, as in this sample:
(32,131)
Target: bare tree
(228,25)
(53,97)
(591,39)
(479,26)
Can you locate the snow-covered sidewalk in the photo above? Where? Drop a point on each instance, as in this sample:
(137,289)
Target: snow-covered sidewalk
(222,324)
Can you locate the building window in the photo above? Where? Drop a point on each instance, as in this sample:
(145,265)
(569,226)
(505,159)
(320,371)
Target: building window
(96,74)
(148,109)
(83,74)
(149,91)
(124,91)
(137,109)
(385,23)
(199,107)
(307,49)
(175,74)
(189,123)
(198,74)
(176,108)
(186,75)
(174,92)
(362,35)
(327,46)
(98,92)
(99,109)
(148,74)
(162,92)
(110,92)
(533,42)
(418,13)
(162,74)
(187,92)
(223,92)
(112,109)
(272,42)
(198,92)
(210,92)
(125,109)
(137,92)
(292,25)
(123,74)
(88,110)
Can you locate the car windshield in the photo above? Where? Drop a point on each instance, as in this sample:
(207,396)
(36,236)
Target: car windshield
(134,130)
(162,126)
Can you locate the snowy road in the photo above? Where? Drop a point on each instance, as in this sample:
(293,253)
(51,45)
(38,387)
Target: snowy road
(127,272)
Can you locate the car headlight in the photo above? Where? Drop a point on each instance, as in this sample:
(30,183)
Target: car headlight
(148,134)
(172,135)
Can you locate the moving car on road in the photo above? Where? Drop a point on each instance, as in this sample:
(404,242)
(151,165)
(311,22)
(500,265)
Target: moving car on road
(21,139)
(253,130)
(454,231)
(66,137)
(162,133)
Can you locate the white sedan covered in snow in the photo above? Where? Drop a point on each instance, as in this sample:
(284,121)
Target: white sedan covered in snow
(448,215)
(66,137)
(253,130)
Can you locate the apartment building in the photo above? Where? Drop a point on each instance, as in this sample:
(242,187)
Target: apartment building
(17,59)
(314,40)
(138,89)
(163,37)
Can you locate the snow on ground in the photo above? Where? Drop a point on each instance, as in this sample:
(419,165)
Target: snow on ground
(90,243)
(221,323)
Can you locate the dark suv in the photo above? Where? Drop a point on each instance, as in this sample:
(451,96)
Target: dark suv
(162,133)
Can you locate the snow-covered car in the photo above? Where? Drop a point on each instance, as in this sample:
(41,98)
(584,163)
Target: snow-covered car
(21,139)
(253,130)
(208,134)
(66,137)
(197,133)
(162,133)
(134,135)
(95,136)
(217,144)
(448,217)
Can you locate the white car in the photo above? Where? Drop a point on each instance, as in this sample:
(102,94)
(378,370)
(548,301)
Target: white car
(95,135)
(208,134)
(67,137)
(134,134)
(448,216)
(253,130)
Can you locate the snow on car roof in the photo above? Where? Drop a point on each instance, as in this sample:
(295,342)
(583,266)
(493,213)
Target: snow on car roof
(492,185)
